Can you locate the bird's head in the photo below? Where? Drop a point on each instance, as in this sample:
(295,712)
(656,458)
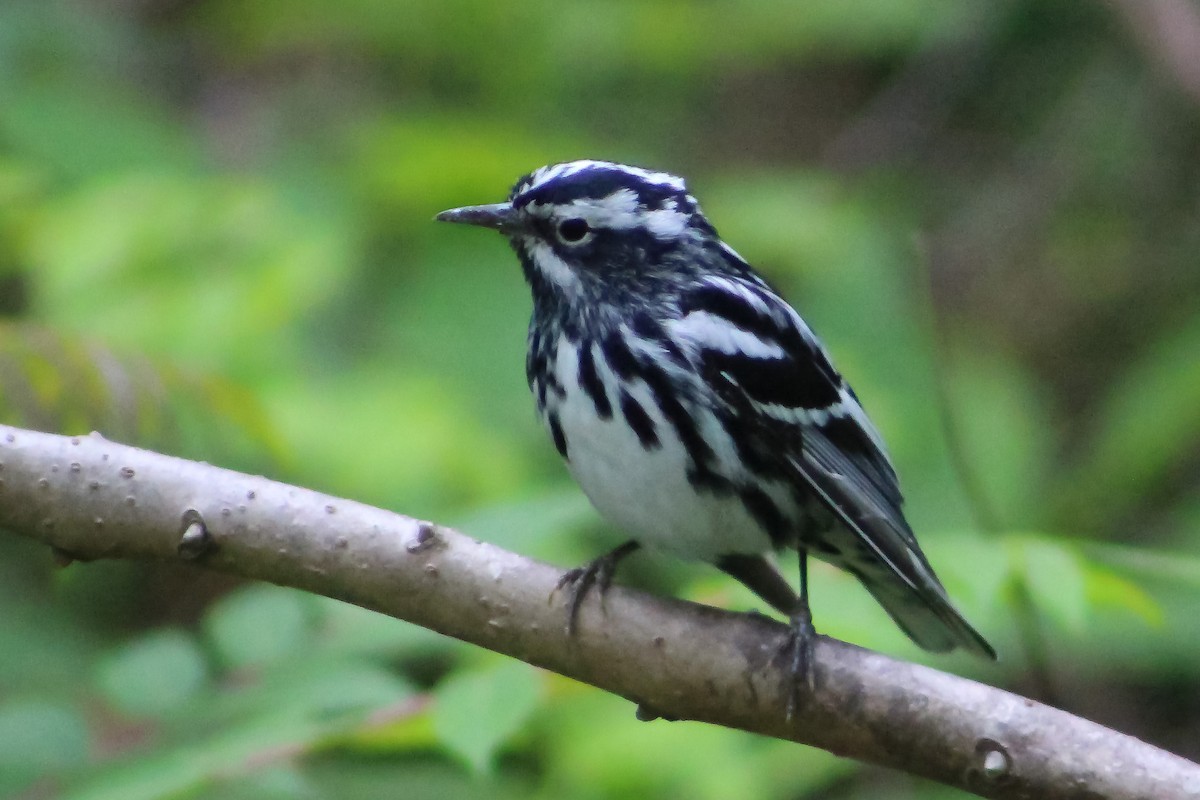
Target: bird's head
(587,229)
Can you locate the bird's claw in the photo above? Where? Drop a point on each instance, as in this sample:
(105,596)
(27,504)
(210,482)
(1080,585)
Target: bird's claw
(579,581)
(798,651)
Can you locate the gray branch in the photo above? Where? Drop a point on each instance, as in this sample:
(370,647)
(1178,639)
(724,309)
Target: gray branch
(91,498)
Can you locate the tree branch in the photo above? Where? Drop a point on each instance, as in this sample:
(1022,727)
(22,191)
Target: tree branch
(91,498)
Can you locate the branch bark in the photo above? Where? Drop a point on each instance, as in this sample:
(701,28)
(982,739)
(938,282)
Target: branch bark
(91,498)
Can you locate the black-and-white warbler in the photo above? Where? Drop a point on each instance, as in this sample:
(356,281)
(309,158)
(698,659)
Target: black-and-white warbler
(695,407)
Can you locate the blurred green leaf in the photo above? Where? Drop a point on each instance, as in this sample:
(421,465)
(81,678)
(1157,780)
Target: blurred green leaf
(334,693)
(1147,426)
(602,35)
(540,526)
(44,645)
(81,127)
(476,712)
(153,777)
(350,631)
(37,737)
(198,267)
(1055,575)
(1000,421)
(1106,588)
(589,732)
(299,706)
(400,440)
(259,624)
(974,568)
(153,674)
(420,166)
(273,783)
(421,779)
(1154,565)
(60,383)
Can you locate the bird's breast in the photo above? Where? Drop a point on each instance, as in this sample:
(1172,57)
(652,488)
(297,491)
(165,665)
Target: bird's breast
(628,455)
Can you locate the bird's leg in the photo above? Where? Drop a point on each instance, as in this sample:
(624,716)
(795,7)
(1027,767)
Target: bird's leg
(598,573)
(800,643)
(759,576)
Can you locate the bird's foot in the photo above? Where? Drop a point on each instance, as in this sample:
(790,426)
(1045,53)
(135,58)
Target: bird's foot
(798,653)
(598,573)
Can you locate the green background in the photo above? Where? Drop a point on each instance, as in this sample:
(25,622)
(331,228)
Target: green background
(216,240)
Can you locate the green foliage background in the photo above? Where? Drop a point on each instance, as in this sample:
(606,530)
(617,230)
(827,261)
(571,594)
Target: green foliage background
(216,240)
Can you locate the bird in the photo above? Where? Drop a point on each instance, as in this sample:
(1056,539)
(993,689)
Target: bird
(696,408)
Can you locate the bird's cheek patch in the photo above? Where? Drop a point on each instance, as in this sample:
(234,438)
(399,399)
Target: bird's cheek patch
(551,266)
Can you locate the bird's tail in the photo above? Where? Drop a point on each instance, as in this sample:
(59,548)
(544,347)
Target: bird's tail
(886,557)
(926,615)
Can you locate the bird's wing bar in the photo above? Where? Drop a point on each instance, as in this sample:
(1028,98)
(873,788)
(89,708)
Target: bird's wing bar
(744,331)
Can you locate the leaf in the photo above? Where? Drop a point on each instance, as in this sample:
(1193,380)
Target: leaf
(1181,568)
(39,736)
(152,777)
(325,690)
(972,566)
(275,783)
(284,717)
(258,624)
(422,779)
(55,382)
(476,712)
(198,266)
(539,526)
(450,457)
(348,630)
(46,110)
(697,762)
(999,420)
(1105,587)
(1146,426)
(153,674)
(1055,576)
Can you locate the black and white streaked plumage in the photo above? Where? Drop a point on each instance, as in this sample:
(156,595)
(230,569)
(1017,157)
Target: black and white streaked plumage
(694,406)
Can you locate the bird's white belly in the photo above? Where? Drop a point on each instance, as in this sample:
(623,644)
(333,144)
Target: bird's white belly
(646,492)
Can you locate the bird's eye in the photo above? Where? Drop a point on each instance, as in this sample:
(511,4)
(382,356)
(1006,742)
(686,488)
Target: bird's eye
(573,231)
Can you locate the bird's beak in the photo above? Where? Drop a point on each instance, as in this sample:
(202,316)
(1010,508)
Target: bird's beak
(498,216)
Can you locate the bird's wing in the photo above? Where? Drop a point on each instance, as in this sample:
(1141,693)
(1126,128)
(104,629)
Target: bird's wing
(771,369)
(748,337)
